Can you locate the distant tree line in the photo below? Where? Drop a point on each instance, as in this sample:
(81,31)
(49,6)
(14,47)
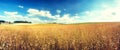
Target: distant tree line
(3,21)
(21,22)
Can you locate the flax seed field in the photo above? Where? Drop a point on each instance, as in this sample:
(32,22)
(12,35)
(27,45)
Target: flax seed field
(86,36)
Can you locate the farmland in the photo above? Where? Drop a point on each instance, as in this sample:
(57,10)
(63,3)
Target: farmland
(90,36)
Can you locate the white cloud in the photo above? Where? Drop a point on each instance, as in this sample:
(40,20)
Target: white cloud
(21,6)
(10,13)
(44,13)
(58,11)
(66,18)
(40,13)
(13,16)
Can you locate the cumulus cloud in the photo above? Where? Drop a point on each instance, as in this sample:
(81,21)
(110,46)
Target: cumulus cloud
(66,18)
(21,6)
(13,16)
(10,13)
(58,11)
(40,13)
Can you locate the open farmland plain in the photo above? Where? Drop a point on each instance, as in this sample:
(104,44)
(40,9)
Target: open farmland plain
(90,36)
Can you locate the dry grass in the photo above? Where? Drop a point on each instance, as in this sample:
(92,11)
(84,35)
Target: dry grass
(99,36)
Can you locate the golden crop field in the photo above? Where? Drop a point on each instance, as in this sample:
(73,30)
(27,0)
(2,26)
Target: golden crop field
(94,36)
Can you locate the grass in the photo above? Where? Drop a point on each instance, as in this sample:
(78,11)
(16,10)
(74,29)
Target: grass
(95,36)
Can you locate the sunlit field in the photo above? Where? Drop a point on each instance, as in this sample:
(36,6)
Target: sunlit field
(86,36)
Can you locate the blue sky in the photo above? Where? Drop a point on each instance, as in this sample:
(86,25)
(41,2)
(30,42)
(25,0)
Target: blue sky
(60,11)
